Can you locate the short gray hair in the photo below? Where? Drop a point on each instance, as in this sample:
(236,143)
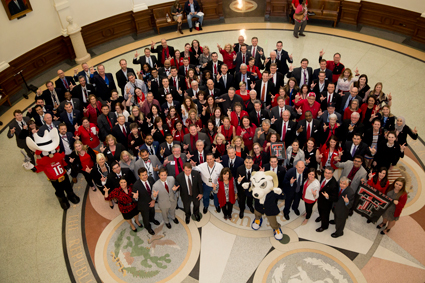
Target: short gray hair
(355,114)
(266,121)
(333,116)
(257,102)
(243,65)
(194,82)
(345,179)
(176,146)
(200,141)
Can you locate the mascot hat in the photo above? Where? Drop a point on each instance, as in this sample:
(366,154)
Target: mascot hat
(48,142)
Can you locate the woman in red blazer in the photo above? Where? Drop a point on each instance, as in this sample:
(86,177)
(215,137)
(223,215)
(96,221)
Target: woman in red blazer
(326,154)
(94,109)
(247,132)
(255,72)
(179,131)
(237,114)
(226,192)
(227,54)
(397,191)
(227,129)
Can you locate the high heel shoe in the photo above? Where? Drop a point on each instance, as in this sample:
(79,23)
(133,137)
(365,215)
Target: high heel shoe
(134,230)
(380,226)
(383,231)
(112,206)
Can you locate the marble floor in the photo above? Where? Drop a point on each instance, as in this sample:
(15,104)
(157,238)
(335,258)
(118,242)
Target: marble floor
(34,226)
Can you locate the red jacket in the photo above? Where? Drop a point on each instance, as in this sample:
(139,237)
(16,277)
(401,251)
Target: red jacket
(221,195)
(234,118)
(378,185)
(401,203)
(248,137)
(85,136)
(303,103)
(91,112)
(325,155)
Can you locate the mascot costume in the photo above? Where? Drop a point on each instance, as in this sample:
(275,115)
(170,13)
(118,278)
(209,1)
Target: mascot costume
(52,163)
(263,188)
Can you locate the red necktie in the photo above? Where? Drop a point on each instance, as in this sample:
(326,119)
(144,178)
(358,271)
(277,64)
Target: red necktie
(166,91)
(340,192)
(308,131)
(185,71)
(323,184)
(124,131)
(281,113)
(259,119)
(215,69)
(147,187)
(211,92)
(166,187)
(174,82)
(253,52)
(65,83)
(243,59)
(109,121)
(284,131)
(329,99)
(263,92)
(201,160)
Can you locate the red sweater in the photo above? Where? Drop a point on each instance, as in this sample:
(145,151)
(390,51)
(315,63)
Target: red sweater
(378,185)
(221,195)
(303,103)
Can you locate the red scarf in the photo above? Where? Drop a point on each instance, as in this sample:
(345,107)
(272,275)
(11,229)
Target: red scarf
(221,148)
(222,195)
(331,132)
(228,134)
(258,160)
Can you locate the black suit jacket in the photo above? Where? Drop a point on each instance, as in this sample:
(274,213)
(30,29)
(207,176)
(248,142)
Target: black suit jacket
(257,56)
(344,101)
(46,95)
(284,58)
(76,119)
(328,74)
(279,83)
(14,9)
(181,83)
(182,68)
(315,131)
(122,80)
(238,162)
(75,101)
(184,190)
(195,156)
(316,88)
(341,210)
(167,151)
(361,149)
(242,172)
(267,65)
(210,67)
(158,50)
(324,103)
(292,173)
(331,188)
(119,135)
(346,135)
(113,182)
(71,140)
(77,92)
(216,91)
(269,92)
(161,94)
(280,173)
(176,104)
(296,73)
(103,125)
(264,114)
(220,83)
(290,130)
(144,197)
(239,60)
(102,89)
(238,77)
(13,124)
(59,83)
(142,60)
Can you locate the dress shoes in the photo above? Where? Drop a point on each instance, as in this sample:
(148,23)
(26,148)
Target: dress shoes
(296,36)
(286,216)
(301,34)
(334,235)
(332,222)
(350,213)
(190,29)
(241,214)
(156,222)
(200,27)
(218,209)
(251,209)
(175,220)
(205,210)
(150,231)
(187,219)
(320,229)
(229,217)
(168,225)
(297,212)
(74,198)
(197,217)
(134,230)
(318,219)
(140,225)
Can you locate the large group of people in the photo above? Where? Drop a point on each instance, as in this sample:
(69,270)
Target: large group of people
(192,127)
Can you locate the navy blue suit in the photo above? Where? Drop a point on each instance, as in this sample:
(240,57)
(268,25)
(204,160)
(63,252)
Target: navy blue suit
(238,162)
(59,83)
(292,197)
(269,208)
(76,119)
(155,145)
(280,174)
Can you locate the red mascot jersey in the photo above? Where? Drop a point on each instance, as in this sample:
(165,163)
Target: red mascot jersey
(53,167)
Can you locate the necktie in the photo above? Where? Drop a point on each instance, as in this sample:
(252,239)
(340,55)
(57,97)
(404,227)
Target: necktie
(263,92)
(174,82)
(278,55)
(284,131)
(65,83)
(297,190)
(185,71)
(224,81)
(274,79)
(152,151)
(166,91)
(353,151)
(50,127)
(22,125)
(201,160)
(211,93)
(147,187)
(329,98)
(258,117)
(248,176)
(124,131)
(70,118)
(323,184)
(215,69)
(109,122)
(231,165)
(308,130)
(169,147)
(189,183)
(85,94)
(340,192)
(281,113)
(150,62)
(119,176)
(243,58)
(305,77)
(253,52)
(166,187)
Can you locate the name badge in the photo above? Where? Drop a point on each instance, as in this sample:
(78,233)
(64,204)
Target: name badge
(172,163)
(315,131)
(289,129)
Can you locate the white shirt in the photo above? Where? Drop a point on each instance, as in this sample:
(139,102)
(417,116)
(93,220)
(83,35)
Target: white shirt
(201,153)
(261,90)
(177,81)
(66,144)
(284,124)
(232,160)
(224,77)
(274,80)
(187,178)
(321,86)
(330,97)
(21,123)
(352,147)
(205,171)
(273,169)
(302,76)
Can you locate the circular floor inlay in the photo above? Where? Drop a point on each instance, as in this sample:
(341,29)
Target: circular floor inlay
(243,6)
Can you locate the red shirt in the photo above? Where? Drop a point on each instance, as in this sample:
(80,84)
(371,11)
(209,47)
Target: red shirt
(178,136)
(228,134)
(248,137)
(52,167)
(85,136)
(255,69)
(221,194)
(234,118)
(348,112)
(125,201)
(303,103)
(86,161)
(325,154)
(92,112)
(228,58)
(245,97)
(173,62)
(335,74)
(378,185)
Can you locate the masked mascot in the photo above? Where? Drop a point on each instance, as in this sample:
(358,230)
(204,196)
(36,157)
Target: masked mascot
(51,162)
(263,188)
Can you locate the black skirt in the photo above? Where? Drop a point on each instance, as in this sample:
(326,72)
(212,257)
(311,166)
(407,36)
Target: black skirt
(131,214)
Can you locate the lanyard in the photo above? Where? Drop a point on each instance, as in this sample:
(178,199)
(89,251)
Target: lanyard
(212,171)
(89,132)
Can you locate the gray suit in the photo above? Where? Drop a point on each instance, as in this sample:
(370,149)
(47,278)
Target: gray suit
(167,201)
(341,209)
(201,136)
(171,169)
(346,168)
(154,162)
(262,137)
(257,56)
(45,127)
(14,124)
(274,112)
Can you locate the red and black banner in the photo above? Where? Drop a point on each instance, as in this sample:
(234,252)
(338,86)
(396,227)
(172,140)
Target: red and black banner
(370,202)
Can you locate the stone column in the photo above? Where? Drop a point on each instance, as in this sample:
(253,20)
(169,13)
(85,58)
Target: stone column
(74,32)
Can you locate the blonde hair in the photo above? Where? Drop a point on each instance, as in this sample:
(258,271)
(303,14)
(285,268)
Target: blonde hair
(232,143)
(125,152)
(108,137)
(218,135)
(84,147)
(141,117)
(100,156)
(346,70)
(231,47)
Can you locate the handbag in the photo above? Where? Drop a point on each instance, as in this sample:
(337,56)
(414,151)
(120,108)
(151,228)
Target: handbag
(299,17)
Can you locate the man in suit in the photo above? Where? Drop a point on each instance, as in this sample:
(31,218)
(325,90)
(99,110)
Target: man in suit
(164,91)
(353,170)
(114,177)
(224,80)
(75,102)
(164,192)
(319,85)
(178,82)
(271,60)
(192,9)
(121,131)
(265,89)
(275,167)
(150,145)
(15,127)
(259,115)
(174,162)
(105,122)
(303,75)
(243,175)
(38,115)
(285,128)
(356,147)
(64,82)
(164,51)
(66,142)
(236,46)
(293,188)
(71,117)
(262,132)
(214,66)
(189,184)
(244,76)
(85,73)
(183,70)
(104,82)
(329,96)
(351,126)
(16,6)
(198,156)
(209,89)
(142,190)
(324,117)
(52,96)
(194,90)
(122,75)
(277,111)
(166,148)
(342,206)
(49,124)
(146,59)
(169,103)
(231,161)
(327,196)
(307,128)
(257,52)
(346,99)
(83,91)
(283,58)
(241,57)
(150,162)
(166,70)
(227,101)
(276,78)
(189,140)
(154,83)
(328,73)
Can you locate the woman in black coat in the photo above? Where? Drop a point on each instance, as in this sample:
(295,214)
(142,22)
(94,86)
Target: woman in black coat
(113,149)
(389,152)
(387,119)
(402,130)
(160,130)
(83,160)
